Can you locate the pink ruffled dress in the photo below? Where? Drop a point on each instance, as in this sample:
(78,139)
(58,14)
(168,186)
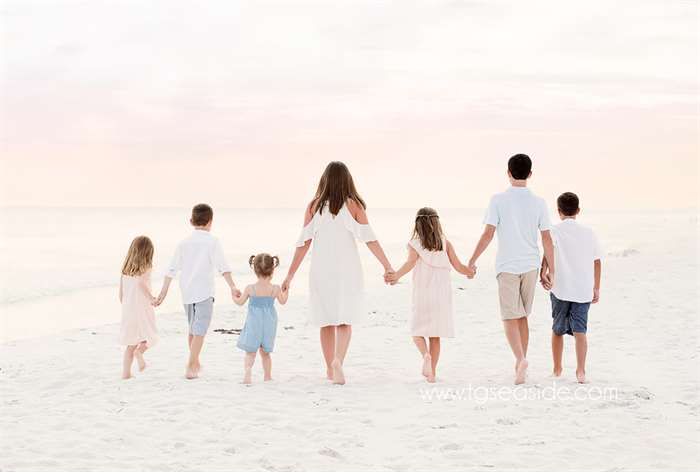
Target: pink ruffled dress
(432,293)
(138,317)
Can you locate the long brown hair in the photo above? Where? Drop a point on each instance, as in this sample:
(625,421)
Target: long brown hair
(139,258)
(263,264)
(335,188)
(428,229)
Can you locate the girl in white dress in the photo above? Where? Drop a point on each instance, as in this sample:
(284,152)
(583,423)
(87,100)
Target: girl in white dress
(334,219)
(138,328)
(431,255)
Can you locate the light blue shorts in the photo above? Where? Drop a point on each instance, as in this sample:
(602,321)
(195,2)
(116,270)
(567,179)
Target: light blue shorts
(199,316)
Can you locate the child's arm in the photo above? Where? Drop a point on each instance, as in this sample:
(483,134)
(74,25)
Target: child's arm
(360,215)
(597,268)
(457,264)
(173,268)
(548,246)
(543,272)
(410,263)
(121,288)
(300,252)
(282,295)
(144,285)
(163,291)
(242,297)
(229,280)
(484,241)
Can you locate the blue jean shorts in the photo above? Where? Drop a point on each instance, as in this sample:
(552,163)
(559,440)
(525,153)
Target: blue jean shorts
(569,317)
(199,316)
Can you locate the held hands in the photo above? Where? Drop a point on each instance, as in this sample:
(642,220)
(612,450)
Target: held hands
(156,301)
(390,276)
(471,269)
(547,279)
(235,293)
(287,282)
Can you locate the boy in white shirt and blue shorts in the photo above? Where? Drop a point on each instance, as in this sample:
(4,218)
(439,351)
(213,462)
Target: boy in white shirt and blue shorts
(196,259)
(577,254)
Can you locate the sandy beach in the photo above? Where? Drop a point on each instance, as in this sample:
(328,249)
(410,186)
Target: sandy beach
(64,406)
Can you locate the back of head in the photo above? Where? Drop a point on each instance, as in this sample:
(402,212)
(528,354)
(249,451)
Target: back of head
(202,214)
(568,204)
(139,258)
(335,188)
(520,166)
(428,229)
(263,264)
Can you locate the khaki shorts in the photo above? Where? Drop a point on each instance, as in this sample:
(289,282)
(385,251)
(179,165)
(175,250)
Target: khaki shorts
(515,293)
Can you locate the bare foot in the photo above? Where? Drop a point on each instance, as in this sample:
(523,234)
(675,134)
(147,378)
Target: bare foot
(521,372)
(247,377)
(556,373)
(190,374)
(581,377)
(267,378)
(430,378)
(338,375)
(329,373)
(126,377)
(140,360)
(427,365)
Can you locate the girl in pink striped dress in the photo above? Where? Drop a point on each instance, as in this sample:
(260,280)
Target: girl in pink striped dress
(430,256)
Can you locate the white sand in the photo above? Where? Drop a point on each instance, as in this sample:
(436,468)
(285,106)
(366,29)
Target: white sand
(64,406)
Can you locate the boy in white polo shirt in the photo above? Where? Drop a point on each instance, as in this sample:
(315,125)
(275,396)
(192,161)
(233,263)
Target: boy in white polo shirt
(577,254)
(197,258)
(518,217)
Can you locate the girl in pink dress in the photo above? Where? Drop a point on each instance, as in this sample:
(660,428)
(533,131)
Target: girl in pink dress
(138,329)
(431,255)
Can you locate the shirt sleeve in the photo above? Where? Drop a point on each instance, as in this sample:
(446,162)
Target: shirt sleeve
(544,223)
(219,259)
(491,217)
(175,264)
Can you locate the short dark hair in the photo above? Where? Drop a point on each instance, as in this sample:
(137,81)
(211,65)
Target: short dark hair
(520,166)
(567,203)
(202,214)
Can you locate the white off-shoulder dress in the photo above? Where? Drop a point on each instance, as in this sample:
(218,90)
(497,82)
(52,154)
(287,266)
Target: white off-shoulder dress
(336,282)
(432,293)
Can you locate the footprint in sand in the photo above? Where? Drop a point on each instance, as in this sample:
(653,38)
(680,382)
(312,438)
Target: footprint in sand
(507,421)
(452,447)
(328,452)
(230,450)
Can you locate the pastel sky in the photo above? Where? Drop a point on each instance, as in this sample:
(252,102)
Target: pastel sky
(241,104)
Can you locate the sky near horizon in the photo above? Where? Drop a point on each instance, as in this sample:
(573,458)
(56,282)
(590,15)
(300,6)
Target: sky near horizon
(241,104)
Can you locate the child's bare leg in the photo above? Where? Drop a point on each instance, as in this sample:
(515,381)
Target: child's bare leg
(420,343)
(193,363)
(342,342)
(512,330)
(266,359)
(434,356)
(138,354)
(189,340)
(128,360)
(248,362)
(328,347)
(557,351)
(524,334)
(581,350)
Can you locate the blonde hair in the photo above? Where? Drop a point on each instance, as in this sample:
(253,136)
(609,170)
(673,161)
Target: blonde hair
(428,229)
(139,258)
(263,264)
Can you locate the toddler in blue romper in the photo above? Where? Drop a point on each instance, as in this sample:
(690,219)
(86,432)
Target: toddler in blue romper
(260,328)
